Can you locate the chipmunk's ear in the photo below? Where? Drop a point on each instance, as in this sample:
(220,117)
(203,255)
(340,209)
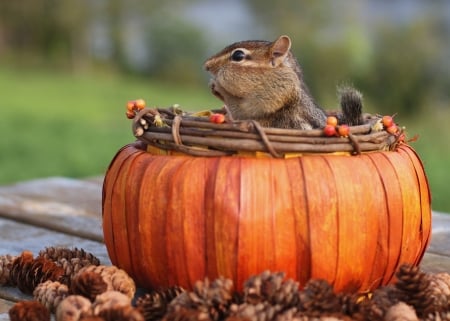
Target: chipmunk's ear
(280,49)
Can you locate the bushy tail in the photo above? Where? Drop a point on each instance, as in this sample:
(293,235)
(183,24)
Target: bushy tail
(351,106)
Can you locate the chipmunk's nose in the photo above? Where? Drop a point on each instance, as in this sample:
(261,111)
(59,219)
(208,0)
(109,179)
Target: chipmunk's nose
(211,65)
(207,65)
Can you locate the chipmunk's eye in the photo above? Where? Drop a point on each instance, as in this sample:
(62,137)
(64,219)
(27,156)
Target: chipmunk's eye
(238,55)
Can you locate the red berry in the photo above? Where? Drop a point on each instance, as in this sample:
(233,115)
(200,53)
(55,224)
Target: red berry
(329,130)
(212,118)
(217,118)
(331,120)
(388,121)
(343,130)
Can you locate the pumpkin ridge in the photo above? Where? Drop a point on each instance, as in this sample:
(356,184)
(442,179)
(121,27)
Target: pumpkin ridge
(392,215)
(336,241)
(132,214)
(360,247)
(304,270)
(159,234)
(409,196)
(107,194)
(283,220)
(291,180)
(210,174)
(175,228)
(389,264)
(152,229)
(384,235)
(425,197)
(254,249)
(123,256)
(226,216)
(194,218)
(107,220)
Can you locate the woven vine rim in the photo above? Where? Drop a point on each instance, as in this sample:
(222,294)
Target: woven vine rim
(188,133)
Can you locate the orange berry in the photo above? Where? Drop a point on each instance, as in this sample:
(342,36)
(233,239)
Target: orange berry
(332,120)
(393,129)
(329,130)
(388,121)
(140,104)
(130,114)
(343,130)
(130,105)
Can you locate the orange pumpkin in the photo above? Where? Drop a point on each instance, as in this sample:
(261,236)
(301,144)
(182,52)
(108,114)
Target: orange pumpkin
(352,220)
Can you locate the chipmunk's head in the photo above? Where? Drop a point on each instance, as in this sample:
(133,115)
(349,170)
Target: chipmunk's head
(254,77)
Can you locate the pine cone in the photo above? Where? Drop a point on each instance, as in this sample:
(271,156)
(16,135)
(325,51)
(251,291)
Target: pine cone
(71,260)
(29,311)
(442,316)
(440,290)
(401,312)
(6,262)
(375,308)
(213,298)
(110,300)
(27,272)
(56,254)
(153,306)
(50,294)
(273,288)
(414,289)
(115,278)
(318,299)
(263,311)
(291,315)
(72,266)
(125,313)
(351,303)
(72,308)
(122,282)
(186,314)
(88,284)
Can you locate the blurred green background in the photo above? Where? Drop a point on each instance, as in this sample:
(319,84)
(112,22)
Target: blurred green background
(68,67)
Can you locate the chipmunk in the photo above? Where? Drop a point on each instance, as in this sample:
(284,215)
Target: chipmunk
(262,80)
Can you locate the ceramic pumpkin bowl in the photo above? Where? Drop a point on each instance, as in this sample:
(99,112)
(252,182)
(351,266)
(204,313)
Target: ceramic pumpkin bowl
(192,199)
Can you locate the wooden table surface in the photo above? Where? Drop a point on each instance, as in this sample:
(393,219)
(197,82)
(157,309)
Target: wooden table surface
(66,212)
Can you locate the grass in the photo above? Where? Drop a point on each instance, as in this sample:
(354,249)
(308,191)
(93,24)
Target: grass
(72,125)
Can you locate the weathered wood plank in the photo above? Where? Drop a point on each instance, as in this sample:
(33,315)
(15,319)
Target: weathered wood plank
(440,240)
(437,256)
(62,204)
(435,263)
(16,237)
(4,316)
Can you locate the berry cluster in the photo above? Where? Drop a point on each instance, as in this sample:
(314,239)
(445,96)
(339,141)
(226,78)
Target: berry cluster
(389,124)
(333,129)
(134,106)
